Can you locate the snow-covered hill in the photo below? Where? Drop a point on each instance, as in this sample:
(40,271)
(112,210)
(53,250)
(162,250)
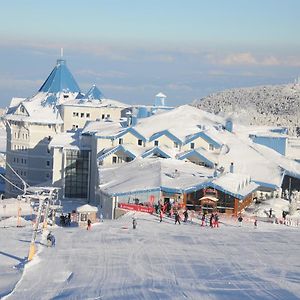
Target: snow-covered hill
(262,105)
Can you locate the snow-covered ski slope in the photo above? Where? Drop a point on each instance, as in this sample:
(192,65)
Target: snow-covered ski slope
(165,261)
(261,105)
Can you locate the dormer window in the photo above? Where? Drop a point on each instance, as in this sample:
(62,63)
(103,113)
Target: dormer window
(192,145)
(155,143)
(211,147)
(175,145)
(22,109)
(66,96)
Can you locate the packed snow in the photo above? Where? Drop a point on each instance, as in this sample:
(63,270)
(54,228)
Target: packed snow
(154,261)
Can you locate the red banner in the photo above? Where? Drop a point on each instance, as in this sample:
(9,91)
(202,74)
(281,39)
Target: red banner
(136,207)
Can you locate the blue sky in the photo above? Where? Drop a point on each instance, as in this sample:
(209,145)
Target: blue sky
(133,49)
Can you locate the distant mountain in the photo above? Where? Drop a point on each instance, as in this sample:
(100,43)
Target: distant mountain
(262,105)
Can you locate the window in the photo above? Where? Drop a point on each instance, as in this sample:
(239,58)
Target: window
(211,147)
(47,175)
(81,115)
(49,125)
(14,159)
(77,173)
(120,141)
(175,145)
(192,145)
(21,160)
(103,116)
(155,143)
(140,142)
(75,114)
(114,160)
(87,115)
(48,163)
(108,116)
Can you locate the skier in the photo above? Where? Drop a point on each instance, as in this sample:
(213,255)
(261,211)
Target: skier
(177,218)
(89,224)
(101,217)
(134,223)
(240,219)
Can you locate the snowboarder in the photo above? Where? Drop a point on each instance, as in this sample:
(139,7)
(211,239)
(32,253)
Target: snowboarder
(177,218)
(240,219)
(89,224)
(134,223)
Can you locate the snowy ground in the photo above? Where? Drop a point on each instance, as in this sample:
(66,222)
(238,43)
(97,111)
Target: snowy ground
(156,261)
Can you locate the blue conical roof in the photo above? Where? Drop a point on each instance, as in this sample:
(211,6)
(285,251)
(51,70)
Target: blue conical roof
(60,80)
(94,93)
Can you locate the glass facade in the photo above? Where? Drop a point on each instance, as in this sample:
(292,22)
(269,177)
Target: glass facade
(77,173)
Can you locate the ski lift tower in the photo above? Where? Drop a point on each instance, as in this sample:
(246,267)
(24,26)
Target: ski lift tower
(45,195)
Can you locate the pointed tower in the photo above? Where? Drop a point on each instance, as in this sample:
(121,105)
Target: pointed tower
(60,80)
(94,93)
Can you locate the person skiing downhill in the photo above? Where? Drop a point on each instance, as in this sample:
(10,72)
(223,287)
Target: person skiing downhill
(160,216)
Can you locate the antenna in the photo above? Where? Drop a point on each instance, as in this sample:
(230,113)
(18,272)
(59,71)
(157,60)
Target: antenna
(61,52)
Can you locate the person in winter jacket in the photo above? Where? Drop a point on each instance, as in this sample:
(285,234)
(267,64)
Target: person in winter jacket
(186,215)
(89,224)
(134,223)
(177,218)
(203,219)
(160,216)
(216,220)
(240,219)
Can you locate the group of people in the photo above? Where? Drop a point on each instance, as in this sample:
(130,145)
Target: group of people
(212,220)
(65,220)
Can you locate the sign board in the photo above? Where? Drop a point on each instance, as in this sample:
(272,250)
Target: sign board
(136,207)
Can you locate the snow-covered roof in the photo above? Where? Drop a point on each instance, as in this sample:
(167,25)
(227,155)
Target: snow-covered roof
(181,122)
(161,95)
(152,174)
(60,80)
(90,102)
(38,109)
(86,208)
(103,128)
(239,185)
(68,140)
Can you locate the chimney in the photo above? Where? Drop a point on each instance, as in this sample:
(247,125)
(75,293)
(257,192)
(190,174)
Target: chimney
(231,168)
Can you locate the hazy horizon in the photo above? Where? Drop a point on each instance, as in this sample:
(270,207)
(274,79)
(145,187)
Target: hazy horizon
(134,50)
